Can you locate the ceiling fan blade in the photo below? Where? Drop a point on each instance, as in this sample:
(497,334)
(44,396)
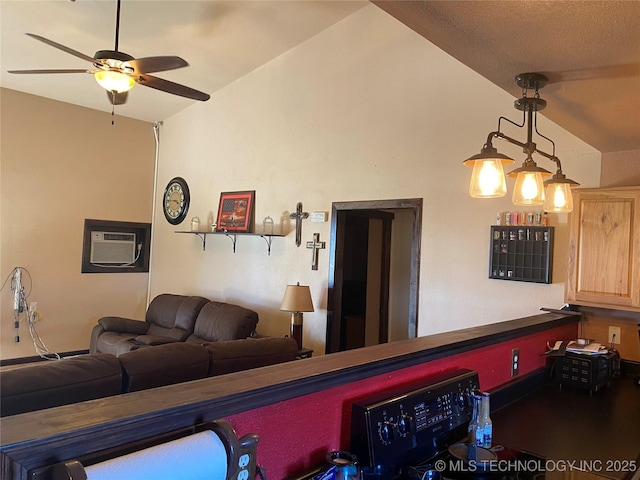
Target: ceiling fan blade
(157,64)
(173,88)
(117,98)
(67,70)
(62,47)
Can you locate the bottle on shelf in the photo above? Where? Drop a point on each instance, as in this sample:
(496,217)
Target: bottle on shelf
(485,424)
(476,435)
(545,219)
(267,225)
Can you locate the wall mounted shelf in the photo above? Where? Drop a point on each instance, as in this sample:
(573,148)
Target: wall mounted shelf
(233,236)
(522,253)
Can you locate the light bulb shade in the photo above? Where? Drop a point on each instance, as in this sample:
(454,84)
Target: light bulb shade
(558,198)
(528,190)
(487,179)
(297,298)
(113,81)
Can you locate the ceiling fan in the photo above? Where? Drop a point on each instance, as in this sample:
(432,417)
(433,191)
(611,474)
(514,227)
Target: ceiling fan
(117,72)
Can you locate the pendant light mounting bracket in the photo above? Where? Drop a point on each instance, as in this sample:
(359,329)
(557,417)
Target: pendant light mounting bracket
(531,81)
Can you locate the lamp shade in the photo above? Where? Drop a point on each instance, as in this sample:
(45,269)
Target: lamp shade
(529,188)
(297,298)
(487,178)
(558,197)
(114,81)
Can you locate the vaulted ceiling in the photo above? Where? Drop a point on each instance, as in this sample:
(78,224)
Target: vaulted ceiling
(590,50)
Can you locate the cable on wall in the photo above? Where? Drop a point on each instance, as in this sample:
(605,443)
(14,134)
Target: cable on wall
(23,310)
(156,135)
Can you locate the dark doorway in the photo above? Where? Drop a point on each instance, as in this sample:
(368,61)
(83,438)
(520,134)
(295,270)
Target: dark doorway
(374,263)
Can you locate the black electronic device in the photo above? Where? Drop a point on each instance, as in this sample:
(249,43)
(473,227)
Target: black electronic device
(413,432)
(590,372)
(412,422)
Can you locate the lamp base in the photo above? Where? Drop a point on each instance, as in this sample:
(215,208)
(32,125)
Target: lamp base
(296,328)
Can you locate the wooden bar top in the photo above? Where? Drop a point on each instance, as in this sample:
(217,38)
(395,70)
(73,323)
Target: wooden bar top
(241,391)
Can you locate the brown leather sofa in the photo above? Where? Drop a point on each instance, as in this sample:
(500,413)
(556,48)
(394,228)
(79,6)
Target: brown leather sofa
(182,338)
(59,382)
(86,377)
(173,318)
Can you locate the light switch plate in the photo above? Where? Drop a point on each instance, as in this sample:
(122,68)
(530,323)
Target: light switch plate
(515,362)
(319,217)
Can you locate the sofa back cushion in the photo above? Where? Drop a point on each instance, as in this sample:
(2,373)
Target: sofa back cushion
(60,382)
(173,316)
(237,355)
(218,322)
(160,365)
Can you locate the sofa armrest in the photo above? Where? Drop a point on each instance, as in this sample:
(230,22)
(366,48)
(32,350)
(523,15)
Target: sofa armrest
(153,340)
(95,334)
(123,325)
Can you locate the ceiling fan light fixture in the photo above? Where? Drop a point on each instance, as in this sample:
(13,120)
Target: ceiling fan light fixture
(113,81)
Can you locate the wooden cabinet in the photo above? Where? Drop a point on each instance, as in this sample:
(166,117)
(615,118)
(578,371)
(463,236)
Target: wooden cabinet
(604,249)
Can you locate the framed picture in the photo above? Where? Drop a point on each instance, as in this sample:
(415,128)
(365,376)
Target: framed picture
(235,212)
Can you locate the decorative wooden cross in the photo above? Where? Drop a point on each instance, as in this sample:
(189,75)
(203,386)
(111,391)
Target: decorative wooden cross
(315,245)
(299,216)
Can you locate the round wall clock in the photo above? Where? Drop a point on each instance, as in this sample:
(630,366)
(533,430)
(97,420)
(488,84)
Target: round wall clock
(176,200)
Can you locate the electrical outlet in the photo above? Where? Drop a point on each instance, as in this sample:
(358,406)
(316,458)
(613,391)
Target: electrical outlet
(515,361)
(614,334)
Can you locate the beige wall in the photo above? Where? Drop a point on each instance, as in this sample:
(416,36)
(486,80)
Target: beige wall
(59,165)
(620,169)
(365,110)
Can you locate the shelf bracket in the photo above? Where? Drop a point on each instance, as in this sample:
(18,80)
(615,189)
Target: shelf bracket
(233,237)
(203,238)
(267,238)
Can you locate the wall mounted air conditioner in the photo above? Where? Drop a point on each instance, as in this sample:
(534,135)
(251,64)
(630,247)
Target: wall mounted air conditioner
(113,248)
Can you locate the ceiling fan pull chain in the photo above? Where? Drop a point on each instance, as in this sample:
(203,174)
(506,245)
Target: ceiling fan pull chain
(113,107)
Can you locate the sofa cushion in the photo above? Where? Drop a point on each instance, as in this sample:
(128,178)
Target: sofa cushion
(59,382)
(123,325)
(153,340)
(218,322)
(237,355)
(163,365)
(173,315)
(116,343)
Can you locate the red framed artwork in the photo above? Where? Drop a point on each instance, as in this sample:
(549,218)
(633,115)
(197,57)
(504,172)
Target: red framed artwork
(235,211)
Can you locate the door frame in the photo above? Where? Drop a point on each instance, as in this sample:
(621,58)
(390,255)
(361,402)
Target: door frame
(334,283)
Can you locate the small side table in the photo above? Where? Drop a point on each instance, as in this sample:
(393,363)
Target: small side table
(304,353)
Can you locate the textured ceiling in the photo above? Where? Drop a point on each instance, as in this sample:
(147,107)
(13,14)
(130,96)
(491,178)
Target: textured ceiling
(221,40)
(590,50)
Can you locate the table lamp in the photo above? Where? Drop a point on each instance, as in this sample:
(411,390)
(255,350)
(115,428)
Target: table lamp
(297,299)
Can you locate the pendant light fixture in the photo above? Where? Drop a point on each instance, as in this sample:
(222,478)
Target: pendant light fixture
(488,179)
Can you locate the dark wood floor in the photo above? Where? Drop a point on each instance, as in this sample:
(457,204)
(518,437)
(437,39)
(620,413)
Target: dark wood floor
(570,424)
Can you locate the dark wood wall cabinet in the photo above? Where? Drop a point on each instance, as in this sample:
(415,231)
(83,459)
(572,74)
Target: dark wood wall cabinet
(522,253)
